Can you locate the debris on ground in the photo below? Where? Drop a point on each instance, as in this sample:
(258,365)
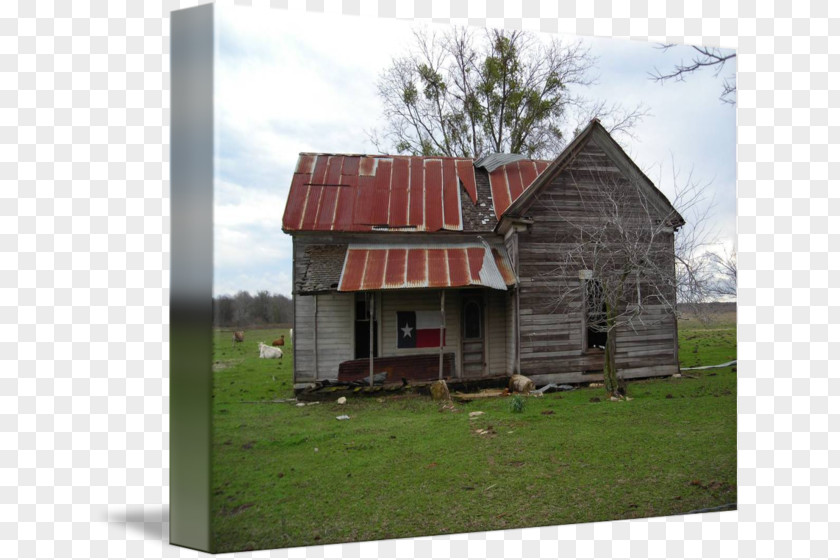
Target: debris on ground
(547,412)
(342,400)
(551,388)
(483,394)
(520,384)
(475,413)
(596,384)
(342,417)
(301,404)
(727,364)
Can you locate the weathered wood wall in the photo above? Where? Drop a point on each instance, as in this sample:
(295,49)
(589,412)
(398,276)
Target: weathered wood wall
(334,335)
(510,329)
(552,332)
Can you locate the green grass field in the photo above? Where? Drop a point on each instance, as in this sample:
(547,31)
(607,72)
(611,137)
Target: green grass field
(287,475)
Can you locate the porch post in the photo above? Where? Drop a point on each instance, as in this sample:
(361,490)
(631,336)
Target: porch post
(315,341)
(440,334)
(370,322)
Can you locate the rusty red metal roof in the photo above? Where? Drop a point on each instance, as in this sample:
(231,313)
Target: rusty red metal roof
(357,193)
(392,267)
(509,181)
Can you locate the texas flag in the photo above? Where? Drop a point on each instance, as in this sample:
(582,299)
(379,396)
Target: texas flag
(419,329)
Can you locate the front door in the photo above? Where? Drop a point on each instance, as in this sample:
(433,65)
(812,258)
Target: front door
(472,336)
(362,327)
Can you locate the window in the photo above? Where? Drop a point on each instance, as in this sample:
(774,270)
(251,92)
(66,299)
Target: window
(472,320)
(595,313)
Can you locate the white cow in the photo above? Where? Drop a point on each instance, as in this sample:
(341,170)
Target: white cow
(269,352)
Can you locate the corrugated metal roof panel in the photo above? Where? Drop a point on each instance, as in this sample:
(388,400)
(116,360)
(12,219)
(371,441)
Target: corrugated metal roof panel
(387,267)
(398,205)
(509,181)
(500,190)
(466,173)
(459,271)
(375,269)
(335,192)
(451,197)
(416,196)
(353,271)
(433,181)
(417,268)
(491,162)
(346,200)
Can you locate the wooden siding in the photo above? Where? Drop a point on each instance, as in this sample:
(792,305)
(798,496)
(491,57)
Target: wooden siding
(304,339)
(335,332)
(495,337)
(334,335)
(552,335)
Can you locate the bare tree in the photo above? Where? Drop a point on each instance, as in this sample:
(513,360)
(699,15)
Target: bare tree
(704,57)
(465,94)
(725,269)
(621,264)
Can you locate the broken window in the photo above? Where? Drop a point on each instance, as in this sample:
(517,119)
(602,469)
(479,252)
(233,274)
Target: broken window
(595,308)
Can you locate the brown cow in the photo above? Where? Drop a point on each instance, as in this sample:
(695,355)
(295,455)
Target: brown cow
(280,341)
(238,336)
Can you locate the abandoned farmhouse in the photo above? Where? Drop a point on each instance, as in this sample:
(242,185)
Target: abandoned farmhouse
(452,266)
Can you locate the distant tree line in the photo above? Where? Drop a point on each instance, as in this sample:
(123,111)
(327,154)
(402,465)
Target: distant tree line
(244,309)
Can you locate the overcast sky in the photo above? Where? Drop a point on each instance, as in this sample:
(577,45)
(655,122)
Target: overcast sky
(290,83)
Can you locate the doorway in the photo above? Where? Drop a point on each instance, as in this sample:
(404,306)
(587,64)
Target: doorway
(472,335)
(362,326)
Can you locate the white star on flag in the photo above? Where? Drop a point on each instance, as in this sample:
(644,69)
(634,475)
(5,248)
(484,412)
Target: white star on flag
(406,331)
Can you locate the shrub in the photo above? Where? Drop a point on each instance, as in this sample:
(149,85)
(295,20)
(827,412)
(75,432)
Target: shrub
(517,403)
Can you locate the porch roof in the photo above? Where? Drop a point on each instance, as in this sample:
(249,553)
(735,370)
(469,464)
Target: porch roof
(451,265)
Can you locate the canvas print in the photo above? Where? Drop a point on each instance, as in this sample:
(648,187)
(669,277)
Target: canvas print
(466,279)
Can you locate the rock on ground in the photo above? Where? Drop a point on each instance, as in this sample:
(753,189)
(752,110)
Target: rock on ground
(439,391)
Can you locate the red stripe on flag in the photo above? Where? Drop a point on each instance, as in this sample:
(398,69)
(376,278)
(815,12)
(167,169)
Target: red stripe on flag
(430,338)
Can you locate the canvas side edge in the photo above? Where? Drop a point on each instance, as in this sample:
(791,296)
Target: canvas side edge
(191,273)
